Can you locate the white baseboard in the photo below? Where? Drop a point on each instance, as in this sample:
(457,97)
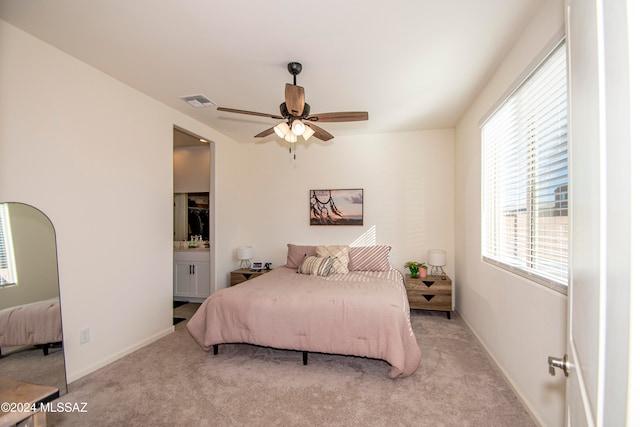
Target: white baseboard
(112,358)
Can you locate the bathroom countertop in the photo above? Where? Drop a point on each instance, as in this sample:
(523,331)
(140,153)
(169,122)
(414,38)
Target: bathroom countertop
(191,249)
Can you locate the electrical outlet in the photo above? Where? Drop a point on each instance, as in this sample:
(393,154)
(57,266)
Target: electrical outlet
(84,336)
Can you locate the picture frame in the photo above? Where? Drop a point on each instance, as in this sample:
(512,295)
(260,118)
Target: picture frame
(336,207)
(256,266)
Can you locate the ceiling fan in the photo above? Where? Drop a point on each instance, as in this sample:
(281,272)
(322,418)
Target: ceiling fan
(296,116)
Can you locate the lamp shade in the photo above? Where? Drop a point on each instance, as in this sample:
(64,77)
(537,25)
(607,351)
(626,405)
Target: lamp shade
(291,137)
(297,127)
(437,257)
(245,252)
(308,132)
(281,129)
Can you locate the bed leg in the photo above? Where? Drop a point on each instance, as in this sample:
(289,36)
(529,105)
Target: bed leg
(305,357)
(215,349)
(45,349)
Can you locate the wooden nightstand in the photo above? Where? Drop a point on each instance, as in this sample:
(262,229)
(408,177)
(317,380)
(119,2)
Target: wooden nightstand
(244,274)
(429,293)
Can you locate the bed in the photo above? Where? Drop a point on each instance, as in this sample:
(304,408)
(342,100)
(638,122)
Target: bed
(38,323)
(358,312)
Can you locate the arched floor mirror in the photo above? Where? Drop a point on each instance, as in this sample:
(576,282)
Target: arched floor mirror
(31,344)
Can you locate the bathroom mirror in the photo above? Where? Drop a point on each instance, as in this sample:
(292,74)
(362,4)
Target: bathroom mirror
(190,216)
(31,345)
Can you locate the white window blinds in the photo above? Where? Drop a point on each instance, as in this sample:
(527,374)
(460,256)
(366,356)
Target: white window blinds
(525,195)
(7,261)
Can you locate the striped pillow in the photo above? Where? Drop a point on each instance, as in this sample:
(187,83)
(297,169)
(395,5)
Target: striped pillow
(369,258)
(317,266)
(341,252)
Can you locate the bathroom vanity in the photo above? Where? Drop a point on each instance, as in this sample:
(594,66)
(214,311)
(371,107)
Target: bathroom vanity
(191,274)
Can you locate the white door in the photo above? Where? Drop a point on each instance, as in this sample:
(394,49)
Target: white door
(183,279)
(202,282)
(600,194)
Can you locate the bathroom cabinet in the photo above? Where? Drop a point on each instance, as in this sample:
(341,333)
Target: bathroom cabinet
(191,277)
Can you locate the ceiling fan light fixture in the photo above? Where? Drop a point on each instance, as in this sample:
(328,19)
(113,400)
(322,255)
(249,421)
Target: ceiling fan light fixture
(281,130)
(308,132)
(295,112)
(297,127)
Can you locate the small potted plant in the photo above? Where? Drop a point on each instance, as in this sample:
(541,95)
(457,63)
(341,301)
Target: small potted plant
(414,267)
(422,271)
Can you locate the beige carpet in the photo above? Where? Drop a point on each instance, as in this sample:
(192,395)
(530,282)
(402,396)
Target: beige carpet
(173,382)
(27,363)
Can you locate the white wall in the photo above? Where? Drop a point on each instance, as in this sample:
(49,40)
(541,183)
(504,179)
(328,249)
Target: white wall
(519,322)
(191,167)
(633,16)
(407,180)
(96,157)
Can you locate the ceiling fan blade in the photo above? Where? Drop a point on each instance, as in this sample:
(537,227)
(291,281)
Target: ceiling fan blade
(320,133)
(265,133)
(251,113)
(294,98)
(345,116)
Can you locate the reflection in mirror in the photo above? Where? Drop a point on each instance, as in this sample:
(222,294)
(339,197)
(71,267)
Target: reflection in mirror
(191,216)
(31,347)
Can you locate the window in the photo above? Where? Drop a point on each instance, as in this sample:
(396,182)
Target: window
(7,260)
(525,223)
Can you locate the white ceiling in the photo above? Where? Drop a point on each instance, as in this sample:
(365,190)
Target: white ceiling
(412,64)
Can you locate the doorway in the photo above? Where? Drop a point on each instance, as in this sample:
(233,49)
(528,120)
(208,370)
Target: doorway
(193,240)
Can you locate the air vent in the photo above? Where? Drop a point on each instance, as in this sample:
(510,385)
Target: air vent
(198,101)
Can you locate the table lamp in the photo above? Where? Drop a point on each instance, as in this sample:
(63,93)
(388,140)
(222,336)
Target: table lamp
(437,258)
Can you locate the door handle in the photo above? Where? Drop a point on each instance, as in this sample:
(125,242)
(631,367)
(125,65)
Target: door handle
(556,362)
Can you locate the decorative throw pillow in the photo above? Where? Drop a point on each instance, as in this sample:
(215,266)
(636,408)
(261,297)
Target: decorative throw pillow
(297,253)
(339,251)
(369,258)
(317,266)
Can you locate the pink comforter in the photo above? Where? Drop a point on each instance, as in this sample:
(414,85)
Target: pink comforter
(359,313)
(30,324)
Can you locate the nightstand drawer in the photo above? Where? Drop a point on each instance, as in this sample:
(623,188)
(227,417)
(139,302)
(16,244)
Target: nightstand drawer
(429,293)
(429,301)
(429,286)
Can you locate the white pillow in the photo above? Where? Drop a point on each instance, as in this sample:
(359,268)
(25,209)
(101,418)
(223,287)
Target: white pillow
(341,252)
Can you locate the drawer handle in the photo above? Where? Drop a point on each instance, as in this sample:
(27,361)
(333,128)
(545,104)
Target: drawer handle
(428,297)
(428,283)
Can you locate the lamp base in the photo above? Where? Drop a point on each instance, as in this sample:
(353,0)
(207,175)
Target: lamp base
(245,263)
(437,270)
